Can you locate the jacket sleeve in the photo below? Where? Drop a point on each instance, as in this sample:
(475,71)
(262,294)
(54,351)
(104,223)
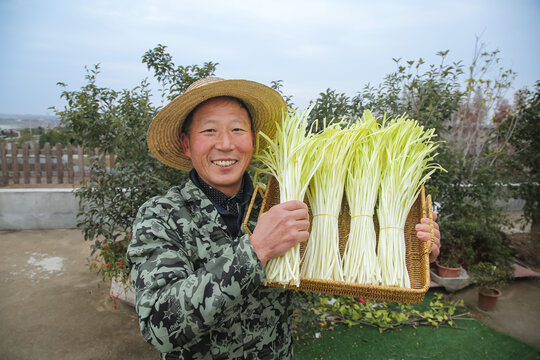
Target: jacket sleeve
(178,302)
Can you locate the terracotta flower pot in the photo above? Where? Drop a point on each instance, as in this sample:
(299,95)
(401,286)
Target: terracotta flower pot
(487,298)
(447,272)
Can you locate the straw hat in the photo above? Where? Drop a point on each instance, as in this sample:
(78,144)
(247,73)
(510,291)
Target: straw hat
(265,106)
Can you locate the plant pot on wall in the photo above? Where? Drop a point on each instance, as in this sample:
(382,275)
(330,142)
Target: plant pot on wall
(487,298)
(448,272)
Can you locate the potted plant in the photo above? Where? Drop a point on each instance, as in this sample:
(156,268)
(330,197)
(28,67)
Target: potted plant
(490,278)
(458,236)
(449,262)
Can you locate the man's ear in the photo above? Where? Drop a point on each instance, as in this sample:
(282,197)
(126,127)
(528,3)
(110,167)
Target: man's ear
(184,140)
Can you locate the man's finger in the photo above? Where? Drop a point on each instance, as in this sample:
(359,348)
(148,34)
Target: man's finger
(292,205)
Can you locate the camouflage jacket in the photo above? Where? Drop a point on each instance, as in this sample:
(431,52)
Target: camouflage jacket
(199,293)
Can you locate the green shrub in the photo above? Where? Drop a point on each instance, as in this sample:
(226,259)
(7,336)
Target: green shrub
(491,276)
(116,122)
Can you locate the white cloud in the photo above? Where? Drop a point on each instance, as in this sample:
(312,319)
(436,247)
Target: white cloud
(310,45)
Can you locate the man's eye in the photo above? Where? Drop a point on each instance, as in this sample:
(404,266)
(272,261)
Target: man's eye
(238,129)
(208,130)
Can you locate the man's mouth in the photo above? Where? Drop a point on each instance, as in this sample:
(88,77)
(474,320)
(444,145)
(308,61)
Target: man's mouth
(224,163)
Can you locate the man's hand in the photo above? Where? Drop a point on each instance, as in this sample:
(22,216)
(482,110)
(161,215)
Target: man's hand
(423,233)
(279,229)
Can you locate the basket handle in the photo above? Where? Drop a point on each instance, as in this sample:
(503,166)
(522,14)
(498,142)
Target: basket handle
(429,208)
(258,189)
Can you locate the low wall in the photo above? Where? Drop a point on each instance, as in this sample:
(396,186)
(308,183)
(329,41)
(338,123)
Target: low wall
(47,208)
(38,209)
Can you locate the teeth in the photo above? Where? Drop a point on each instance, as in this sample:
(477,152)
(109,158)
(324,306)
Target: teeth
(224,163)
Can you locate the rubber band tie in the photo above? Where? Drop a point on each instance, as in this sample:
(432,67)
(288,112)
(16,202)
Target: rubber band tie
(326,215)
(355,216)
(392,227)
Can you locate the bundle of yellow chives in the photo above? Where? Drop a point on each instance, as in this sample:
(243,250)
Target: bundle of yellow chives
(407,164)
(322,259)
(292,157)
(362,186)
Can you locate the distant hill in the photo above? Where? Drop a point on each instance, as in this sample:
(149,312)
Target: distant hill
(16,121)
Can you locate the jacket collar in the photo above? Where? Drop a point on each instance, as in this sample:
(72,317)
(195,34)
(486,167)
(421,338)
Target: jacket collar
(195,198)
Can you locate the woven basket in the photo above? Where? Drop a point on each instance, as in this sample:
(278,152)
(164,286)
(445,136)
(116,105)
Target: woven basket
(417,254)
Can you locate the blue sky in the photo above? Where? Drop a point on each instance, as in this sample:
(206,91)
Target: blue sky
(311,45)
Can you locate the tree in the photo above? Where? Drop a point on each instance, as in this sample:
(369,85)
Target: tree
(57,136)
(26,137)
(278,86)
(522,132)
(459,105)
(330,105)
(174,79)
(117,122)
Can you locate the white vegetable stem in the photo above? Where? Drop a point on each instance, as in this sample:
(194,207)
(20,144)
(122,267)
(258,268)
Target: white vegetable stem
(292,157)
(362,186)
(408,152)
(322,259)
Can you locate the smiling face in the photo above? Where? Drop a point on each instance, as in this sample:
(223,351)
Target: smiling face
(220,143)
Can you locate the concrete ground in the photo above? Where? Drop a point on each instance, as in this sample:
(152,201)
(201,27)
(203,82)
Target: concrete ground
(517,312)
(53,307)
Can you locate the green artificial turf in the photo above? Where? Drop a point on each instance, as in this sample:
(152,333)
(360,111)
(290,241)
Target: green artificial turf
(473,341)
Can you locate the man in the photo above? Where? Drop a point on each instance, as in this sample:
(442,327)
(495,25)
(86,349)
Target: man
(196,271)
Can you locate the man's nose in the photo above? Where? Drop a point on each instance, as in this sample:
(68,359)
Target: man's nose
(224,141)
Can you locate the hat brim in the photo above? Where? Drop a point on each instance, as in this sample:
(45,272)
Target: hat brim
(266,107)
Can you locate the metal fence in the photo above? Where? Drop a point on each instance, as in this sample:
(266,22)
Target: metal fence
(31,165)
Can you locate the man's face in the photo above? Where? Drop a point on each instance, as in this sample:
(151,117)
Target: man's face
(220,144)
